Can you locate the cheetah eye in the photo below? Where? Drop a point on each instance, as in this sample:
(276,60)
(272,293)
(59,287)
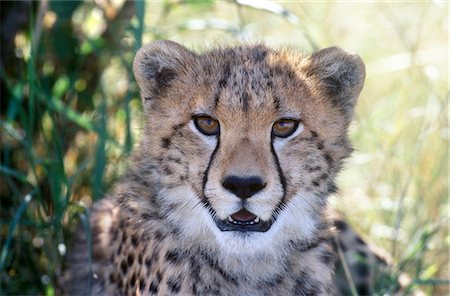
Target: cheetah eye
(207,125)
(283,128)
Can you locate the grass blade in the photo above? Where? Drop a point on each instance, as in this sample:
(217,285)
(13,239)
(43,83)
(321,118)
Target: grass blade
(12,226)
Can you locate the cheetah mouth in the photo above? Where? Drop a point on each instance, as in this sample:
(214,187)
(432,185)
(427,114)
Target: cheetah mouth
(243,221)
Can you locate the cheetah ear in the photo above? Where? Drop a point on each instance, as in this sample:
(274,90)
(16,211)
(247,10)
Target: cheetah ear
(338,75)
(156,65)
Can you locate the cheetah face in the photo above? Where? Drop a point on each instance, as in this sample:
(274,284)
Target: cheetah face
(246,141)
(244,185)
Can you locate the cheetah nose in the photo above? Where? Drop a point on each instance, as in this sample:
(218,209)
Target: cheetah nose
(243,187)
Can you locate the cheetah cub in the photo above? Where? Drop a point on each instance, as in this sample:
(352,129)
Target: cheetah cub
(228,188)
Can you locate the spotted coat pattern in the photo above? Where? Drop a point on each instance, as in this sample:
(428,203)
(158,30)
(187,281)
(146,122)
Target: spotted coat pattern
(156,232)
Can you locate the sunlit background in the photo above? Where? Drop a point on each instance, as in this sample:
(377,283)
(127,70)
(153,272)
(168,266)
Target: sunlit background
(70,115)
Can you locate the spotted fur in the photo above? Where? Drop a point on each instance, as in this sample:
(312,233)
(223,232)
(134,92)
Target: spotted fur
(156,232)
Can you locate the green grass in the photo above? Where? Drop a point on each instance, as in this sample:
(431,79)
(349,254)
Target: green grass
(70,114)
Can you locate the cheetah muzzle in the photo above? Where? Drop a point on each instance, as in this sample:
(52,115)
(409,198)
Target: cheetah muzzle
(243,220)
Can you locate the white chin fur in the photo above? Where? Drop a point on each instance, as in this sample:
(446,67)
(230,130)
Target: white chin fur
(296,222)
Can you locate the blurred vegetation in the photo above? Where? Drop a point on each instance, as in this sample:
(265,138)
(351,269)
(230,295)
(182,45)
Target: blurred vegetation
(70,115)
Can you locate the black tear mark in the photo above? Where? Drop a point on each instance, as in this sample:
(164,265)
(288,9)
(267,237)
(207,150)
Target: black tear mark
(205,177)
(280,173)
